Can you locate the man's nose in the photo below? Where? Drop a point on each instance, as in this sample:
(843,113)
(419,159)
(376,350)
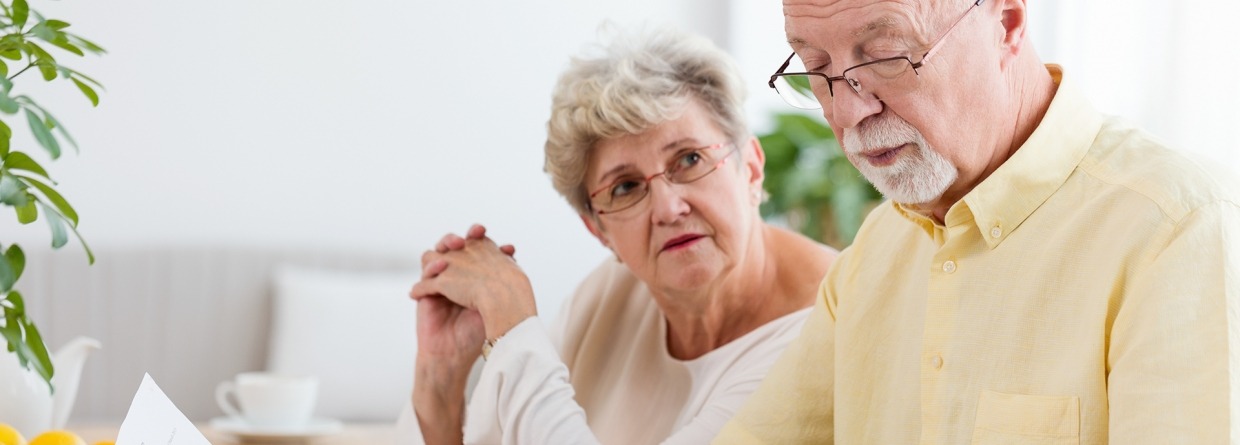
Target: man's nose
(848,107)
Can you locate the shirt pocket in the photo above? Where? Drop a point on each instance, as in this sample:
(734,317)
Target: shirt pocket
(1019,419)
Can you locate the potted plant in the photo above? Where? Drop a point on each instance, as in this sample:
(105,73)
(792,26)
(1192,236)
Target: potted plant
(24,184)
(813,187)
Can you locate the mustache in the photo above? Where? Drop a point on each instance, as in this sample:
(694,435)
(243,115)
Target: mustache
(882,131)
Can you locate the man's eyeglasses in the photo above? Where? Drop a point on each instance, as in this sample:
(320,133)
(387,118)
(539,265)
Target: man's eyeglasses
(688,166)
(890,76)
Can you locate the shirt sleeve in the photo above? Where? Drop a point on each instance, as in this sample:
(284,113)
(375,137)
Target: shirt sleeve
(1173,366)
(524,395)
(795,403)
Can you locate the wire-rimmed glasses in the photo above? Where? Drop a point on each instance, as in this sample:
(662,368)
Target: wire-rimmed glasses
(689,165)
(797,85)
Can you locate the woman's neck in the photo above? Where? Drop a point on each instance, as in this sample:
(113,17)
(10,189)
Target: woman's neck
(741,301)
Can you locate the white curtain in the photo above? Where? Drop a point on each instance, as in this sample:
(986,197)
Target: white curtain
(1173,67)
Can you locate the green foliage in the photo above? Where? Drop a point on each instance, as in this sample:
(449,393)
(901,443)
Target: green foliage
(811,183)
(25,185)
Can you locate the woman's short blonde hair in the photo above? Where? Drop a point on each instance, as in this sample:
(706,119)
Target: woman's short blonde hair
(635,82)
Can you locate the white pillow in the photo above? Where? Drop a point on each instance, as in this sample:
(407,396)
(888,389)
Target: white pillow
(355,331)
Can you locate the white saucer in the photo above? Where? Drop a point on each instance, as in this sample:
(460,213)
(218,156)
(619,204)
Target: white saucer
(242,430)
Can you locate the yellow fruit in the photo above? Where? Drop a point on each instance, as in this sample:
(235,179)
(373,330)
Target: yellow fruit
(10,435)
(57,437)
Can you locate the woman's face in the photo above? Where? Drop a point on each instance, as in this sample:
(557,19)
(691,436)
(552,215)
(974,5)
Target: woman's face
(680,237)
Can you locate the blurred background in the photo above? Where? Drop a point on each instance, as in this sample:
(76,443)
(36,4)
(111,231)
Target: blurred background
(370,128)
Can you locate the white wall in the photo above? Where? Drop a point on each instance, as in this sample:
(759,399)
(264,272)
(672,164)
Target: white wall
(369,124)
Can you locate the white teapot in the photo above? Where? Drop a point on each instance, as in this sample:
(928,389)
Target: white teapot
(29,405)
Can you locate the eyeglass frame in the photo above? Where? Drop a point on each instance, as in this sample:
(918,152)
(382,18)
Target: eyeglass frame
(648,179)
(854,84)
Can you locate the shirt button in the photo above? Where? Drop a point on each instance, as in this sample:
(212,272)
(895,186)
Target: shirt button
(937,362)
(949,266)
(996,232)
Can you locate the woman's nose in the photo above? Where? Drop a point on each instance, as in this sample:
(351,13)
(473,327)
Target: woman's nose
(666,201)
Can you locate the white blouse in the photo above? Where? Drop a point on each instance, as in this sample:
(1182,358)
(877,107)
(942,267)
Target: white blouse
(603,374)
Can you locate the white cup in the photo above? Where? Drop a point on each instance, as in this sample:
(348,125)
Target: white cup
(269,400)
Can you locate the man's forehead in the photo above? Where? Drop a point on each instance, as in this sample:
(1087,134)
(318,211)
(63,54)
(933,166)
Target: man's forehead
(854,20)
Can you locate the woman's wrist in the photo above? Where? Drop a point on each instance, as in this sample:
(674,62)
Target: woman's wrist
(507,308)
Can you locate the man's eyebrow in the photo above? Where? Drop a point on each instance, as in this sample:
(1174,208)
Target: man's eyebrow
(880,23)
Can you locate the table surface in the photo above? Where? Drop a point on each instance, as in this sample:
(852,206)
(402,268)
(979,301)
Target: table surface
(352,434)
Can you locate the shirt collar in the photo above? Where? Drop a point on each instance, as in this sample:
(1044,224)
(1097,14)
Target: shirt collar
(1001,202)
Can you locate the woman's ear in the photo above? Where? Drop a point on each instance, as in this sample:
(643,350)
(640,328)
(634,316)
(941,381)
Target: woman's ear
(593,226)
(755,162)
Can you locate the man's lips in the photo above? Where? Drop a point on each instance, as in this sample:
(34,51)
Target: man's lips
(681,242)
(882,157)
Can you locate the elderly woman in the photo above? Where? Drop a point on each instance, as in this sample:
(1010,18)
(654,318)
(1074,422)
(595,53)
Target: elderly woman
(663,344)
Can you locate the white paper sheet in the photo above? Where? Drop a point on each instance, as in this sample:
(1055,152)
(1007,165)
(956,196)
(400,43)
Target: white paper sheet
(154,420)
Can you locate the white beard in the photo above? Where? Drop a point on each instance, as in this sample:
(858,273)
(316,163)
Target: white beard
(917,177)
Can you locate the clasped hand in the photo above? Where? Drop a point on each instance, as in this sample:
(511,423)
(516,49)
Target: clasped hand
(471,289)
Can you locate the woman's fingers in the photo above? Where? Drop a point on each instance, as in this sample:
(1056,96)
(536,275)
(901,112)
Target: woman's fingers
(433,268)
(508,249)
(424,289)
(450,242)
(476,231)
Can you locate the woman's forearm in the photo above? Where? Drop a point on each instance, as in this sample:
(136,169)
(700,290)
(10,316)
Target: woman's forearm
(439,400)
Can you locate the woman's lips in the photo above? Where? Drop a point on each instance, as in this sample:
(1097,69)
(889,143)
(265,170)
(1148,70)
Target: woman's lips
(883,157)
(681,242)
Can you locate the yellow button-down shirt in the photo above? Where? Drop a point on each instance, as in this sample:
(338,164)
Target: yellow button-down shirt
(1086,292)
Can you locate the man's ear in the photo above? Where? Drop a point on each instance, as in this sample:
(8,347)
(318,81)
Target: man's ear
(1015,19)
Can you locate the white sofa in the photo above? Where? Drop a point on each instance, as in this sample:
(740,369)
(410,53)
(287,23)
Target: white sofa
(195,316)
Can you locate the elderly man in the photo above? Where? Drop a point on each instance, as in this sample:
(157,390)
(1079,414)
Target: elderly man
(1045,274)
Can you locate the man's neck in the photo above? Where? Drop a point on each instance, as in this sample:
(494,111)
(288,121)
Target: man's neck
(1032,89)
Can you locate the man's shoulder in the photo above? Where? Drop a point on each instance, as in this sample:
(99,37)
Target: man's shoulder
(1178,182)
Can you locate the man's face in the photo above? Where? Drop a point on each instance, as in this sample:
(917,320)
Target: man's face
(908,135)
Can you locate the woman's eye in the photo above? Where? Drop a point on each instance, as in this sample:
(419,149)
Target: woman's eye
(689,160)
(623,188)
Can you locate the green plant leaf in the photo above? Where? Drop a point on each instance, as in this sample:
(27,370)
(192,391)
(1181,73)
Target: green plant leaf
(81,76)
(5,135)
(28,213)
(38,357)
(20,161)
(11,191)
(90,255)
(60,235)
(56,25)
(88,91)
(4,69)
(51,194)
(17,261)
(12,332)
(42,31)
(41,134)
(55,125)
(87,44)
(7,275)
(7,104)
(11,54)
(47,68)
(17,304)
(21,12)
(65,45)
(38,52)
